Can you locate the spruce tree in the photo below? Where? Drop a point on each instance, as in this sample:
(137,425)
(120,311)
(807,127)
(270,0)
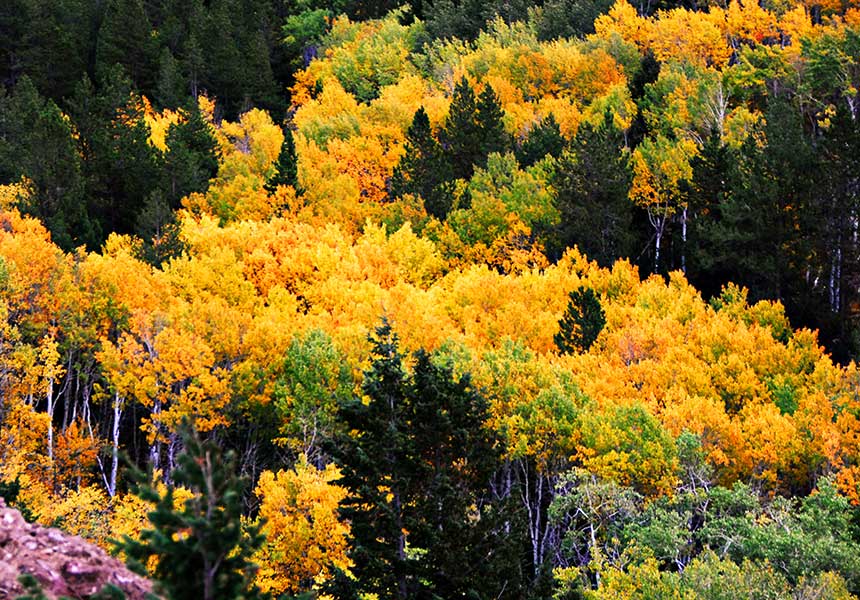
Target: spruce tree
(709,193)
(286,167)
(417,466)
(544,139)
(423,171)
(202,549)
(192,156)
(377,468)
(125,38)
(36,142)
(170,90)
(462,138)
(121,168)
(592,181)
(582,322)
(492,132)
(455,457)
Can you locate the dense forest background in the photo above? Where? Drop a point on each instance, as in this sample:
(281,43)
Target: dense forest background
(484,299)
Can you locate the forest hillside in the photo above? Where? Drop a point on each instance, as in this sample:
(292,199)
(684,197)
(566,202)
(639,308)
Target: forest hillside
(449,299)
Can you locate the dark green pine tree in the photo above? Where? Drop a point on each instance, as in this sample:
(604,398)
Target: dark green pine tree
(582,322)
(544,139)
(202,549)
(592,181)
(423,171)
(125,38)
(36,142)
(418,466)
(708,194)
(564,19)
(377,471)
(837,247)
(191,159)
(489,116)
(121,168)
(50,42)
(762,236)
(462,138)
(171,89)
(286,168)
(455,457)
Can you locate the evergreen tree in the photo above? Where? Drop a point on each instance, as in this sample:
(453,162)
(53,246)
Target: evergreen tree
(456,457)
(49,41)
(36,142)
(592,181)
(121,168)
(708,195)
(377,468)
(125,38)
(564,19)
(461,19)
(192,156)
(202,549)
(418,466)
(170,90)
(461,139)
(465,19)
(760,233)
(423,171)
(492,132)
(543,139)
(837,247)
(286,168)
(582,322)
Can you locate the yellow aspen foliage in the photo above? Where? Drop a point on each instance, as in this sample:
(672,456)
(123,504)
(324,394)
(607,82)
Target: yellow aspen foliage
(305,539)
(249,149)
(37,272)
(159,123)
(796,24)
(75,455)
(393,110)
(23,431)
(333,114)
(618,102)
(11,194)
(747,22)
(623,20)
(640,580)
(684,35)
(772,443)
(366,56)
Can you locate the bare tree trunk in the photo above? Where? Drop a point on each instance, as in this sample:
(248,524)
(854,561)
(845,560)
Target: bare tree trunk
(51,406)
(684,240)
(114,459)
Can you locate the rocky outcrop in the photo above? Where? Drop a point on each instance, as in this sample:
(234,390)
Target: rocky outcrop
(64,565)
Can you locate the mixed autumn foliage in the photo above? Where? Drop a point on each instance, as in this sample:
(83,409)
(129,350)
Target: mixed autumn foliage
(479,300)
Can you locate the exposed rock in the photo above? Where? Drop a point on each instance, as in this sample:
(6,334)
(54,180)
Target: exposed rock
(64,565)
